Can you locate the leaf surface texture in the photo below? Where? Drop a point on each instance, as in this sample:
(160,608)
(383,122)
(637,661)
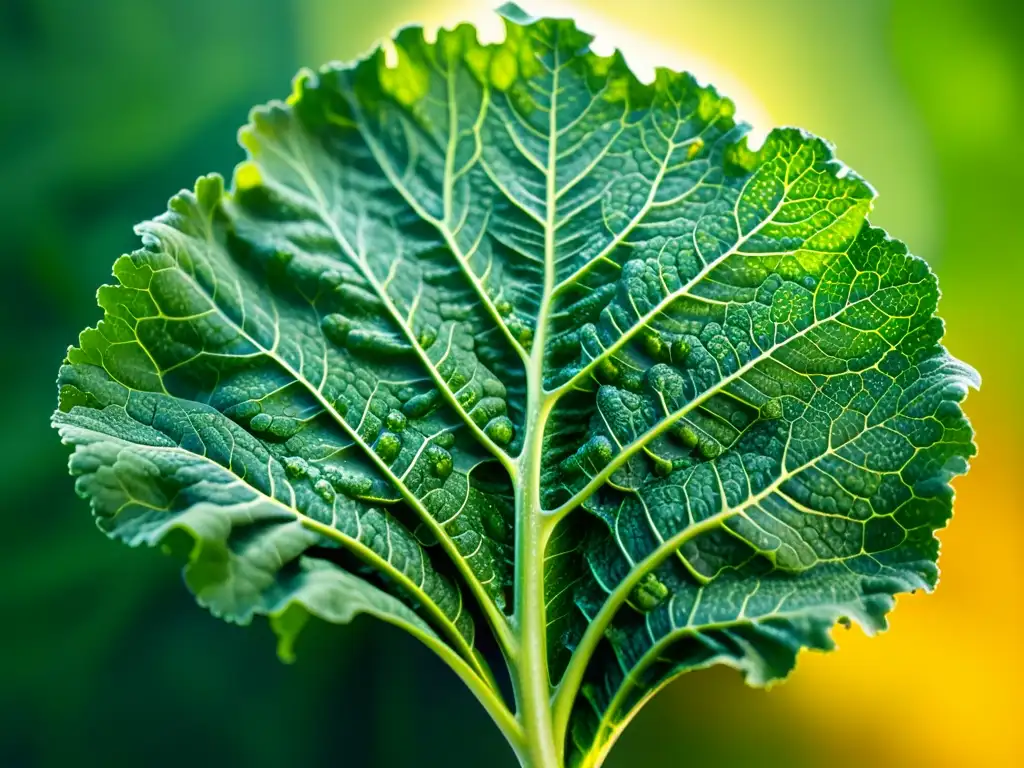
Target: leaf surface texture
(451,267)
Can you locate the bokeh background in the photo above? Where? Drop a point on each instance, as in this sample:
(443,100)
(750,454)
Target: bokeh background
(109,106)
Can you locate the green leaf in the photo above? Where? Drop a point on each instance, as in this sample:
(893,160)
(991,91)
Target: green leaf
(245,546)
(500,331)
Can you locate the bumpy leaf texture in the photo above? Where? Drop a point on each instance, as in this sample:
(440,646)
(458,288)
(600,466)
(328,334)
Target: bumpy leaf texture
(323,382)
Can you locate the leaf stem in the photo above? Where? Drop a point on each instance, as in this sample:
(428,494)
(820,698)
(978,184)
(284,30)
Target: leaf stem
(533,687)
(533,528)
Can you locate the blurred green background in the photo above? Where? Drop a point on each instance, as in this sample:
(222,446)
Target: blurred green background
(109,106)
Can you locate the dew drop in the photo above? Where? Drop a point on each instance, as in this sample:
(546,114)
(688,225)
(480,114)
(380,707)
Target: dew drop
(680,350)
(597,450)
(648,594)
(487,409)
(324,490)
(440,461)
(296,467)
(653,345)
(352,484)
(772,409)
(500,430)
(388,446)
(261,422)
(427,336)
(688,436)
(709,449)
(396,421)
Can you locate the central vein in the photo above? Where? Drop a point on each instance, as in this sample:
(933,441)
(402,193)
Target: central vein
(533,688)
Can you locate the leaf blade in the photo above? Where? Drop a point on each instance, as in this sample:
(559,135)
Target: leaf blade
(485,287)
(811,509)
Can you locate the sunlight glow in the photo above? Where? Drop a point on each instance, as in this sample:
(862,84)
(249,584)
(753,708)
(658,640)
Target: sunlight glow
(643,54)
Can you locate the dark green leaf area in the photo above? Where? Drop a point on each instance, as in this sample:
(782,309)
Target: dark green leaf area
(822,511)
(213,343)
(461,291)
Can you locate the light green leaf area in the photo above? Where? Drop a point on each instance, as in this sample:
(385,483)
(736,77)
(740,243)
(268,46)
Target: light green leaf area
(499,338)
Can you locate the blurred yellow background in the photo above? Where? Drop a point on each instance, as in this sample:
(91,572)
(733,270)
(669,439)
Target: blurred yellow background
(115,104)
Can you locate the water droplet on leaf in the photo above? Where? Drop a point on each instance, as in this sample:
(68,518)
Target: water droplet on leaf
(261,422)
(296,466)
(440,461)
(427,336)
(648,594)
(687,436)
(396,421)
(772,409)
(388,446)
(500,430)
(709,449)
(324,490)
(680,350)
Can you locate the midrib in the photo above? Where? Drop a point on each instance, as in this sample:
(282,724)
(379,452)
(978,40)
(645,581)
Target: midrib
(533,689)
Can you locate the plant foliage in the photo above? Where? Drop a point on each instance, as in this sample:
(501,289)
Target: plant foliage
(498,339)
